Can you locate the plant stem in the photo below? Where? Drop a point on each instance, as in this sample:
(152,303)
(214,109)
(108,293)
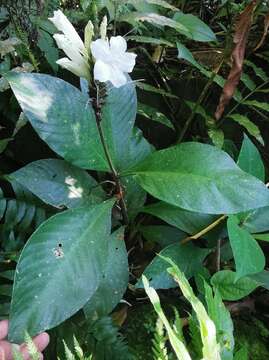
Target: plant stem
(115,175)
(218,255)
(244,99)
(198,102)
(204,231)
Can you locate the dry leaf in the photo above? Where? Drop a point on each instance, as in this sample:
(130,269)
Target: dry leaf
(240,39)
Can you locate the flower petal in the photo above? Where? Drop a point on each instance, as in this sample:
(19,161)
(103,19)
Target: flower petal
(102,71)
(118,78)
(73,53)
(100,50)
(64,25)
(118,45)
(125,62)
(81,71)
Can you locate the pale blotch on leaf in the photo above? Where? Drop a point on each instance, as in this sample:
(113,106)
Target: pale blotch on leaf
(75,191)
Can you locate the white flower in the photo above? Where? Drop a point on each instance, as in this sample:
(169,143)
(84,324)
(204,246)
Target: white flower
(112,62)
(70,42)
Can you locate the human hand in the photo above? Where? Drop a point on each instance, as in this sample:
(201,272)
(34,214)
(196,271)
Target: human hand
(41,342)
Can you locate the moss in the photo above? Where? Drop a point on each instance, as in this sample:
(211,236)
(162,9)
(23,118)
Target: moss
(252,333)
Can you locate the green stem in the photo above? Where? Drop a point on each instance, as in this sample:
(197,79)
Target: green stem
(245,98)
(198,103)
(115,175)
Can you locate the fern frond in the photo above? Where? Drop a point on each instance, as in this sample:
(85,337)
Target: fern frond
(68,353)
(78,349)
(16,355)
(177,326)
(158,343)
(109,341)
(32,349)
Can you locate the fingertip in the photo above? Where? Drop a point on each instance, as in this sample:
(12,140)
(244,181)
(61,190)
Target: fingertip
(3,329)
(41,341)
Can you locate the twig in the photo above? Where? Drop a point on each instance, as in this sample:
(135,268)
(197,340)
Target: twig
(204,231)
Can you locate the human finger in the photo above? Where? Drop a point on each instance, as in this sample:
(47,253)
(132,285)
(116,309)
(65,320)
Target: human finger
(3,329)
(41,341)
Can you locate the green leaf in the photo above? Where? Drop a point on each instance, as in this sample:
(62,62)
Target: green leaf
(156,19)
(256,221)
(262,278)
(181,176)
(114,279)
(188,258)
(248,125)
(149,40)
(248,82)
(162,235)
(161,3)
(187,221)
(262,237)
(69,252)
(222,320)
(59,184)
(153,89)
(249,159)
(118,117)
(62,116)
(184,53)
(136,150)
(242,354)
(216,136)
(229,288)
(257,70)
(248,256)
(197,29)
(154,115)
(260,105)
(47,45)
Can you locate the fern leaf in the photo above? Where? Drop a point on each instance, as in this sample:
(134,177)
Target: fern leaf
(158,343)
(248,125)
(68,353)
(260,105)
(32,349)
(16,355)
(177,326)
(257,70)
(78,349)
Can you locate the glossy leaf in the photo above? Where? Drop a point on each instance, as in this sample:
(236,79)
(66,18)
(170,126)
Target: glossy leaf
(229,288)
(262,278)
(162,235)
(69,252)
(62,116)
(248,256)
(250,160)
(256,221)
(188,258)
(197,29)
(118,116)
(181,176)
(187,221)
(59,184)
(114,279)
(156,19)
